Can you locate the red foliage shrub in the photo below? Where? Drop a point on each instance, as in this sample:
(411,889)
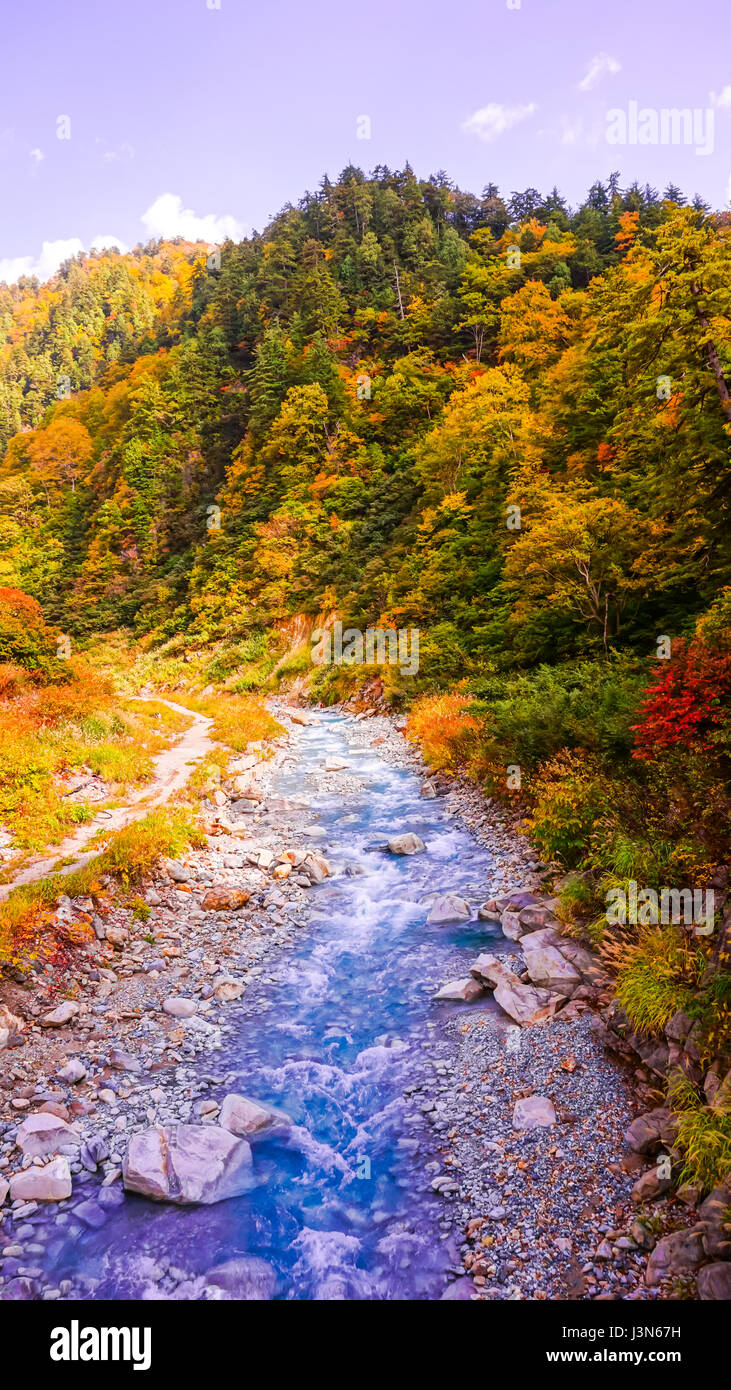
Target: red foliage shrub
(25,639)
(685,702)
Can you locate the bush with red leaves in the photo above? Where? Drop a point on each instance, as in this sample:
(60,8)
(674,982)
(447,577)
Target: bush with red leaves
(686,702)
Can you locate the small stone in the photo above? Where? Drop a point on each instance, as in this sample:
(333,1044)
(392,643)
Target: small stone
(72,1072)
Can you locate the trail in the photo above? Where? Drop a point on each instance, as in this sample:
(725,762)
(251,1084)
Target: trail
(172,769)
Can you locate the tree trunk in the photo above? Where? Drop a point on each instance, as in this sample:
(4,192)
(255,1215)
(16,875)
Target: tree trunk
(398,291)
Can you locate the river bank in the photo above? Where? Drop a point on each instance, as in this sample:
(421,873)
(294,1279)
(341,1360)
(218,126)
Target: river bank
(402,1174)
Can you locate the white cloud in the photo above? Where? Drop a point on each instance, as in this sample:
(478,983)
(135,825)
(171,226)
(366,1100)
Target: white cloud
(109,242)
(722,100)
(599,67)
(37,156)
(493,120)
(53,254)
(167,218)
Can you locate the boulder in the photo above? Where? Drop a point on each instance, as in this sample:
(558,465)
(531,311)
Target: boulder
(315,867)
(546,965)
(187,1164)
(463,991)
(243,1116)
(715,1215)
(335,765)
(650,1131)
(178,1007)
(223,898)
(714,1281)
(524,1003)
(248,787)
(61,1015)
(460,1291)
(678,1254)
(246,1279)
(9,1022)
(448,908)
(117,936)
(51,1183)
(298,716)
(41,1135)
(652,1184)
(406,844)
(510,923)
(533,1112)
(4,1190)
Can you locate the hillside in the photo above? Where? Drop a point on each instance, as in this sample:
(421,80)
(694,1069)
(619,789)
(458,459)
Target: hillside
(499,422)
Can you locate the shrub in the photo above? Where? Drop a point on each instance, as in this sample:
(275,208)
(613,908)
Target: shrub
(444,728)
(686,704)
(25,639)
(568,799)
(130,855)
(587,704)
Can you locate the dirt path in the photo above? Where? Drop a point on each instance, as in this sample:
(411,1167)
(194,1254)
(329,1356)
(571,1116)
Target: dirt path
(172,769)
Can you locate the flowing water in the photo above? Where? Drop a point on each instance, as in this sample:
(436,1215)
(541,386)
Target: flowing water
(345,1208)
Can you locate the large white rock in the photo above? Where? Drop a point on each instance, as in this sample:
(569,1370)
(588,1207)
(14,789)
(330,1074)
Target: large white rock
(4,1190)
(406,844)
(243,1116)
(179,1007)
(335,765)
(188,1164)
(533,1112)
(51,1183)
(41,1135)
(463,991)
(449,908)
(546,965)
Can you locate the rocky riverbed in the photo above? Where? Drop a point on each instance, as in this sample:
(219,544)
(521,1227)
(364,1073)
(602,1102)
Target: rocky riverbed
(494,1107)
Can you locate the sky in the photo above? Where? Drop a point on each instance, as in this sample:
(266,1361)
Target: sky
(201,118)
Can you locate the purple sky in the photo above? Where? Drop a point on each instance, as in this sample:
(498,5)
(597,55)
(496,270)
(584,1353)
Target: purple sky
(231,112)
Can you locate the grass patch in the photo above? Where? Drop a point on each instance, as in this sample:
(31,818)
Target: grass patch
(703,1137)
(130,855)
(658,975)
(238,720)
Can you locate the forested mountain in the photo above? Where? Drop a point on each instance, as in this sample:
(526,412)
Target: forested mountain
(367,391)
